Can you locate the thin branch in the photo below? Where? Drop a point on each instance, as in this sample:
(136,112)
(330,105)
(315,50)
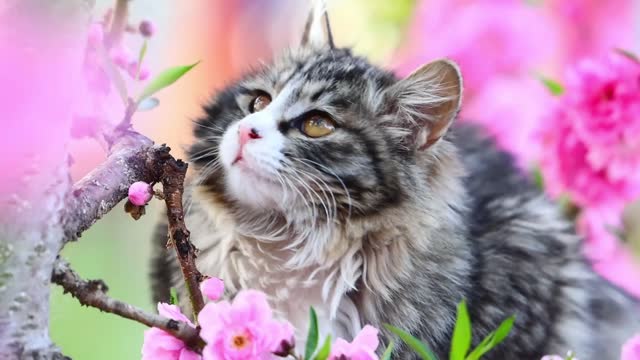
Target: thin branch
(131,159)
(173,186)
(94,293)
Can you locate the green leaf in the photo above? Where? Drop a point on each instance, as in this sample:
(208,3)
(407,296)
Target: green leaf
(143,52)
(538,178)
(417,345)
(325,350)
(461,341)
(553,86)
(493,339)
(503,330)
(173,296)
(387,352)
(312,336)
(164,79)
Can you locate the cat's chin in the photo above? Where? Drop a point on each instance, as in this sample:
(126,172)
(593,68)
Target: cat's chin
(253,189)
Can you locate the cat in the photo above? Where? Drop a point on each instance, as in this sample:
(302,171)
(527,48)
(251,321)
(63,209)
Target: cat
(326,181)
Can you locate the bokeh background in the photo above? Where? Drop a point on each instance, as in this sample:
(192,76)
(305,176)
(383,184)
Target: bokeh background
(503,46)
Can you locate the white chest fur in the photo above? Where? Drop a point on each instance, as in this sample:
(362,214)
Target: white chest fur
(246,264)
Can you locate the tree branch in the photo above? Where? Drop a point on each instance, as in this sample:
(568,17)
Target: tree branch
(173,186)
(94,293)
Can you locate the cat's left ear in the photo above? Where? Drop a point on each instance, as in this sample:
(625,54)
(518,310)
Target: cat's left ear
(317,31)
(427,101)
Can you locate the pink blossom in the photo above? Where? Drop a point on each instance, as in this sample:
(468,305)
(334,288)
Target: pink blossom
(96,35)
(591,141)
(363,347)
(140,193)
(244,329)
(487,38)
(160,345)
(510,108)
(143,74)
(212,288)
(631,349)
(592,27)
(121,56)
(552,357)
(147,28)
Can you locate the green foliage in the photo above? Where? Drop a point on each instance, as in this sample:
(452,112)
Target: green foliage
(173,296)
(164,79)
(312,336)
(143,52)
(461,340)
(538,178)
(325,350)
(553,86)
(387,352)
(418,346)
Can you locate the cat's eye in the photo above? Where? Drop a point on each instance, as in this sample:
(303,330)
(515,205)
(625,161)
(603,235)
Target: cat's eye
(317,126)
(259,103)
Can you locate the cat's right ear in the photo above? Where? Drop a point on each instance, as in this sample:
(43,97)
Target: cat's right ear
(427,101)
(317,31)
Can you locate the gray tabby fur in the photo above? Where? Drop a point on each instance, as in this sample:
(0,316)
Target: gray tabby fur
(372,229)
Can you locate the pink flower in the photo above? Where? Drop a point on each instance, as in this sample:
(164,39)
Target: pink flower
(96,35)
(592,27)
(244,329)
(510,108)
(121,56)
(363,347)
(631,349)
(591,141)
(212,288)
(160,345)
(487,38)
(140,193)
(552,357)
(132,70)
(147,28)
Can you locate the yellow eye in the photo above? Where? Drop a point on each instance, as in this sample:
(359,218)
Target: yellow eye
(317,126)
(260,102)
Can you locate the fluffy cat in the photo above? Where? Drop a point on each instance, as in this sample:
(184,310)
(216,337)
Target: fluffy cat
(325,181)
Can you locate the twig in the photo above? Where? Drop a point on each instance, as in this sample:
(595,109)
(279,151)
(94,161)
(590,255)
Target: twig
(174,172)
(94,293)
(132,159)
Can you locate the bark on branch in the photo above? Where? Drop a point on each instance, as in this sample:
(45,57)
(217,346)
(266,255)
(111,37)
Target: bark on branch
(94,293)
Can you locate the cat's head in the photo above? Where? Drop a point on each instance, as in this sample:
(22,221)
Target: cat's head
(322,132)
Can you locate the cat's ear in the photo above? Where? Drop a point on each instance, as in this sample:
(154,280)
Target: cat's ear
(317,31)
(428,100)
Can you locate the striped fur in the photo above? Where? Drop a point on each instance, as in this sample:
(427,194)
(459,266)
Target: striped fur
(369,229)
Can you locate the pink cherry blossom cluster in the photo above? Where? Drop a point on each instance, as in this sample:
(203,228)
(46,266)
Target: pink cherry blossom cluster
(591,142)
(244,329)
(500,55)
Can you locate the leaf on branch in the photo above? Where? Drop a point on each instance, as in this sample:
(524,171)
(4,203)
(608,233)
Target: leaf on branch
(164,79)
(554,87)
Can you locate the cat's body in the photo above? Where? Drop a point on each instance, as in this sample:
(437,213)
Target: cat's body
(383,218)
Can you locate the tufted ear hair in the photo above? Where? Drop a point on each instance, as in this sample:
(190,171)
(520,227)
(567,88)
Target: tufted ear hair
(317,31)
(427,101)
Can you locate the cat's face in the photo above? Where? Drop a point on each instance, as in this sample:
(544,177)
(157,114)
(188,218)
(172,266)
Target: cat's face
(304,132)
(321,133)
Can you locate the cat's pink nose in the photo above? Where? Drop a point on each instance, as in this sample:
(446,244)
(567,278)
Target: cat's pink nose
(247,133)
